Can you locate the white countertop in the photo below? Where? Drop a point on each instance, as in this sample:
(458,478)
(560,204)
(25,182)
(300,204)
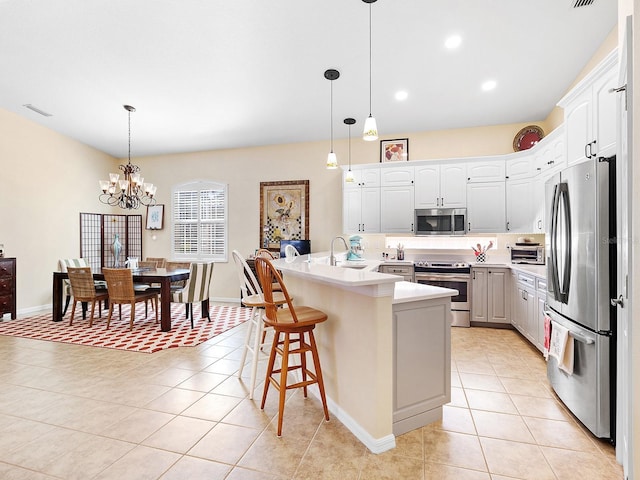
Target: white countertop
(405,292)
(537,270)
(317,268)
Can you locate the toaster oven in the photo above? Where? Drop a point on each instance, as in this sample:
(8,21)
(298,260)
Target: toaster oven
(531,254)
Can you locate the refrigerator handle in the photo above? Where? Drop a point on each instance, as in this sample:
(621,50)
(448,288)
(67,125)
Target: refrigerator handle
(553,268)
(563,190)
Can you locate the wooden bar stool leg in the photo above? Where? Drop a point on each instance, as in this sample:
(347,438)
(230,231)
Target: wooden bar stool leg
(272,359)
(303,361)
(316,365)
(284,370)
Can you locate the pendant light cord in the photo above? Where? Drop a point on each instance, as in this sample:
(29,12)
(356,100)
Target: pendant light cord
(331,114)
(370,57)
(349,147)
(129,111)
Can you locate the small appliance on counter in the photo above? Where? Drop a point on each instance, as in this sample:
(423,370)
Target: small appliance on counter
(529,253)
(355,250)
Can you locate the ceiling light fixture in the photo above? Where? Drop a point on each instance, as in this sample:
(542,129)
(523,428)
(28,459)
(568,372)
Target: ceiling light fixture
(349,176)
(131,192)
(331,75)
(489,85)
(370,126)
(401,95)
(453,41)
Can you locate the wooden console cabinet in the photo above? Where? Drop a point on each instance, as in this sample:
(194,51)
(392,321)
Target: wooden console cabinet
(8,287)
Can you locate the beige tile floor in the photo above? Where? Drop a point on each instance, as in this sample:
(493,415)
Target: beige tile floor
(73,412)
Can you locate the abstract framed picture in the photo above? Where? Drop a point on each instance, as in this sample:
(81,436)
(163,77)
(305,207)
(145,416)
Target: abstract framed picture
(284,212)
(155,217)
(394,150)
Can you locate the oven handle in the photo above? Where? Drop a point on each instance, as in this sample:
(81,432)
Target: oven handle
(440,278)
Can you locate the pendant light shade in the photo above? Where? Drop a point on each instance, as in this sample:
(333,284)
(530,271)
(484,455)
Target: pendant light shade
(349,176)
(332,159)
(370,132)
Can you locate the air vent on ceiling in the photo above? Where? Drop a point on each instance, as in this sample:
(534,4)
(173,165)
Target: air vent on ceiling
(37,110)
(582,3)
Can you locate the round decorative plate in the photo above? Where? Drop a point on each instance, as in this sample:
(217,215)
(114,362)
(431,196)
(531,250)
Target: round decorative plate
(527,138)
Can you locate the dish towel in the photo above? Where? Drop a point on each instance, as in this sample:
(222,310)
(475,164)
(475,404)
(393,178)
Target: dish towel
(561,347)
(547,336)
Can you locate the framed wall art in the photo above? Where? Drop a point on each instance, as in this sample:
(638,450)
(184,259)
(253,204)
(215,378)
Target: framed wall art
(394,150)
(284,212)
(155,217)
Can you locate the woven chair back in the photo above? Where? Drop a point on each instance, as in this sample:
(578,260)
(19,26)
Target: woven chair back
(82,285)
(160,262)
(119,284)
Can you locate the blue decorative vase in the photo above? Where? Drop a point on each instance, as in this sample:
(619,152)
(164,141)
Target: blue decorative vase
(116,248)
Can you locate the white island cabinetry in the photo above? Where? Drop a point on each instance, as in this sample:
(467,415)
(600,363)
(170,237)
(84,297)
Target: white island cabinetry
(378,378)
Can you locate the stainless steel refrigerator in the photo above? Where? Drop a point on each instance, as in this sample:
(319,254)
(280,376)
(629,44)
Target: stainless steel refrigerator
(581,277)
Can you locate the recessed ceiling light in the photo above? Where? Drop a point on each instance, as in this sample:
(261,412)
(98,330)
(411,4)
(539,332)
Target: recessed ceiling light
(489,85)
(453,41)
(401,95)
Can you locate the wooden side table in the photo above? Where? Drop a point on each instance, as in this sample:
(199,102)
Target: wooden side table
(8,287)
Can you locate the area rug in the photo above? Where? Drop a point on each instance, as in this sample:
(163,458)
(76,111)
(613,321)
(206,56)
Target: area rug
(145,337)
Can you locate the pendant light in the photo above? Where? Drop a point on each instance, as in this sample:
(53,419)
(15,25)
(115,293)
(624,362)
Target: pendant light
(349,176)
(331,75)
(370,126)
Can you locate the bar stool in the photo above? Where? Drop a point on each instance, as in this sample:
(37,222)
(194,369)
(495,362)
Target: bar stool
(253,298)
(291,326)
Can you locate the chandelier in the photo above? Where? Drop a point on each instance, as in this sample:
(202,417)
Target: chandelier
(130,192)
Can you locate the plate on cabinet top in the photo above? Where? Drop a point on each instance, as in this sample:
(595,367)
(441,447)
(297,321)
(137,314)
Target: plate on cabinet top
(527,138)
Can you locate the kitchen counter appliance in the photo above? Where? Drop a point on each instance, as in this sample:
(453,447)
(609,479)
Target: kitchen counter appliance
(581,280)
(532,254)
(455,275)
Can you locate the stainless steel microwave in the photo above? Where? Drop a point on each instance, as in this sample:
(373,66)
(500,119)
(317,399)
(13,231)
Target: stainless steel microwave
(440,221)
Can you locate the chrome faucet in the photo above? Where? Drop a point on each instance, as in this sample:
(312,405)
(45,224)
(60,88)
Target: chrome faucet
(332,258)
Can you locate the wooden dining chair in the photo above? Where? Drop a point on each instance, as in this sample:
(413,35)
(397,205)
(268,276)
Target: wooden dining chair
(293,335)
(160,261)
(63,264)
(121,292)
(196,289)
(84,290)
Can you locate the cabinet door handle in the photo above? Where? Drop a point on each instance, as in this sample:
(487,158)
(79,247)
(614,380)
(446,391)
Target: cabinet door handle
(507,226)
(442,201)
(586,154)
(412,227)
(591,149)
(539,224)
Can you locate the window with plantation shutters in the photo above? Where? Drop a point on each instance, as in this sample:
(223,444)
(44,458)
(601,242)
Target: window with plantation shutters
(199,221)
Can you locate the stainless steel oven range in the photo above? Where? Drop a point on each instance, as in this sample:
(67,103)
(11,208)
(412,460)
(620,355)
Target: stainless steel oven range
(454,275)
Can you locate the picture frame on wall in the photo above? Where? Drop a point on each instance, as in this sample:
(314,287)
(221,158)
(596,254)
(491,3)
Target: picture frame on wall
(284,212)
(394,150)
(155,217)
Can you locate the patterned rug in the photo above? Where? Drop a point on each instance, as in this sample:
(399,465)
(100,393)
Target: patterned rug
(145,337)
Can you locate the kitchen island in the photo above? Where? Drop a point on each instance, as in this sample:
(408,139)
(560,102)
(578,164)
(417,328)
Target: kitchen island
(385,348)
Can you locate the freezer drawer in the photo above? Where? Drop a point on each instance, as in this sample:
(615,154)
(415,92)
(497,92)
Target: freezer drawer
(587,393)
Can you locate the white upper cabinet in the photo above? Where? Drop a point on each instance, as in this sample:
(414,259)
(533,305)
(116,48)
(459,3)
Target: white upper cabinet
(486,171)
(519,167)
(590,113)
(396,209)
(396,176)
(550,157)
(486,207)
(441,185)
(519,206)
(362,177)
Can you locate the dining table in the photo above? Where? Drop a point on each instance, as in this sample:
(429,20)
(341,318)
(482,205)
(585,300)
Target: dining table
(160,276)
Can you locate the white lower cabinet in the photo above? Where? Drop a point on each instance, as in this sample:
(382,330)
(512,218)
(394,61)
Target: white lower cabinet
(421,362)
(486,207)
(489,295)
(528,303)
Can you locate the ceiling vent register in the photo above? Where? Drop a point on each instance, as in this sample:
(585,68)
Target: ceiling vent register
(582,3)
